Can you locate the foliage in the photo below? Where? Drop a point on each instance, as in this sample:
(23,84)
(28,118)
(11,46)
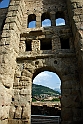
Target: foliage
(34,100)
(55,99)
(42,101)
(37,90)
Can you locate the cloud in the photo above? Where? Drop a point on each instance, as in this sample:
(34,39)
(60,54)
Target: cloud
(60,21)
(58,24)
(48,79)
(32,24)
(42,77)
(46,22)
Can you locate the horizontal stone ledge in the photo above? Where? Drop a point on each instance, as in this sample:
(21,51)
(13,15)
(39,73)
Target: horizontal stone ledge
(18,121)
(42,56)
(66,55)
(35,57)
(50,30)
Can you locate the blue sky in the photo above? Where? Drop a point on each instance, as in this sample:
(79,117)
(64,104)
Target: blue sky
(45,78)
(47,22)
(4,3)
(48,79)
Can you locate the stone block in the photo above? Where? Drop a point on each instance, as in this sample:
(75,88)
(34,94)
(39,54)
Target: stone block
(32,62)
(66,91)
(26,73)
(24,78)
(14,121)
(12,112)
(25,113)
(24,92)
(67,114)
(67,101)
(24,100)
(4,112)
(4,121)
(18,112)
(67,84)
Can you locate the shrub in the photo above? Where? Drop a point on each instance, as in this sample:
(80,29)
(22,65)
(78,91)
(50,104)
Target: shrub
(55,99)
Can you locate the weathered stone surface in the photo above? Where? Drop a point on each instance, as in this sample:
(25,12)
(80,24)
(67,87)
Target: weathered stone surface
(18,112)
(26,52)
(26,73)
(25,113)
(24,92)
(67,115)
(12,112)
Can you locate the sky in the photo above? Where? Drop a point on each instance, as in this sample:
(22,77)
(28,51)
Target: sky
(45,78)
(47,22)
(4,3)
(48,79)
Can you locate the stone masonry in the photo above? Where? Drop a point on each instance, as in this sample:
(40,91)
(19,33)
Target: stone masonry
(25,52)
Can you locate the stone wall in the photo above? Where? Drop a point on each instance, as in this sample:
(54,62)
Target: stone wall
(22,57)
(39,7)
(9,47)
(3,13)
(75,9)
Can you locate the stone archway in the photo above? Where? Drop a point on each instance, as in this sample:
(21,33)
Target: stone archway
(45,103)
(18,65)
(27,69)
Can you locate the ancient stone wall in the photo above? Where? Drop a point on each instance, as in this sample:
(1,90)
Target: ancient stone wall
(3,13)
(75,9)
(38,8)
(25,52)
(9,47)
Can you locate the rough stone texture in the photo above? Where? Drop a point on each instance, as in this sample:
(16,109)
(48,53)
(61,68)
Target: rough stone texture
(24,54)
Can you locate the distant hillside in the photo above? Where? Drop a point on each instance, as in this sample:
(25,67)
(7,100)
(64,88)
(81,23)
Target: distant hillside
(37,90)
(57,89)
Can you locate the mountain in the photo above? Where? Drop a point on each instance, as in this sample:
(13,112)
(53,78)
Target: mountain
(37,90)
(57,89)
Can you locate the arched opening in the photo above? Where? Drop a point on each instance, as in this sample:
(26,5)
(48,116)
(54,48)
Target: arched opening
(46,94)
(32,21)
(60,19)
(45,20)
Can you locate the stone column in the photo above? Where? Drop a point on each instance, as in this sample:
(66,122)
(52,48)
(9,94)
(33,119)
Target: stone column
(22,45)
(53,19)
(38,20)
(35,45)
(55,43)
(20,110)
(25,22)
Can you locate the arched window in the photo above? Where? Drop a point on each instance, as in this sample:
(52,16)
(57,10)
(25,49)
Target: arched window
(60,19)
(32,21)
(45,20)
